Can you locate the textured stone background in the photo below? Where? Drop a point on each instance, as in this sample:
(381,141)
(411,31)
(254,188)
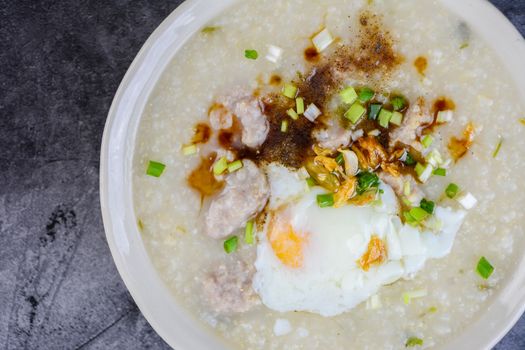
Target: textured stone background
(60,64)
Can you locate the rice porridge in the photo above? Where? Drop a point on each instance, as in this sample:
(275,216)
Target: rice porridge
(333,174)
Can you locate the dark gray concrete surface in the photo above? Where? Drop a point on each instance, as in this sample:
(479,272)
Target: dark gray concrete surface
(60,65)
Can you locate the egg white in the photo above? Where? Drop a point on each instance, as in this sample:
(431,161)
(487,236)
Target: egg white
(330,280)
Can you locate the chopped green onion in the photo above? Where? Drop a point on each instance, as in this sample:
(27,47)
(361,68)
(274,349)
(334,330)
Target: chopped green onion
(311,182)
(220,166)
(189,150)
(423,171)
(420,168)
(355,112)
(427,206)
(365,181)
(418,214)
(406,188)
(289,90)
(366,94)
(452,190)
(397,118)
(140,225)
(292,114)
(251,54)
(322,40)
(409,159)
(467,200)
(463,46)
(248,232)
(284,126)
(274,53)
(312,112)
(484,268)
(210,29)
(375,108)
(427,141)
(325,200)
(340,159)
(440,172)
(445,116)
(409,218)
(498,147)
(434,158)
(348,95)
(413,341)
(398,103)
(155,169)
(299,104)
(234,166)
(230,245)
(384,118)
(408,296)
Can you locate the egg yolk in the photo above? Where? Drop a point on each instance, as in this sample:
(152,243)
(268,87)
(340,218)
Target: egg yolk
(374,255)
(287,245)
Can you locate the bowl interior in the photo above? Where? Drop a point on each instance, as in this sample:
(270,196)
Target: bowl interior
(169,319)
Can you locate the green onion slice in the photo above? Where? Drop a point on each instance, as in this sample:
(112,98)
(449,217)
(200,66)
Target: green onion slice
(484,268)
(311,182)
(220,166)
(292,114)
(423,171)
(325,200)
(398,103)
(230,245)
(409,159)
(397,118)
(366,94)
(440,172)
(375,108)
(355,112)
(284,126)
(289,90)
(348,95)
(427,206)
(418,214)
(452,190)
(155,169)
(413,341)
(299,104)
(322,40)
(234,166)
(251,54)
(248,232)
(409,218)
(384,118)
(427,141)
(189,150)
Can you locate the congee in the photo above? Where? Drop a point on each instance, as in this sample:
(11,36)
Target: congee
(336,174)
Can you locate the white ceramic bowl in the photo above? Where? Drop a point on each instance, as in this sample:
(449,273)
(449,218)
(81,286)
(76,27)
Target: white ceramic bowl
(176,327)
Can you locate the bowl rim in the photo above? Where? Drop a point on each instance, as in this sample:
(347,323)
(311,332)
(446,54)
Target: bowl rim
(118,139)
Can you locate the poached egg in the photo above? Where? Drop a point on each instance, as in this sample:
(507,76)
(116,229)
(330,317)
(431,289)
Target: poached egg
(328,260)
